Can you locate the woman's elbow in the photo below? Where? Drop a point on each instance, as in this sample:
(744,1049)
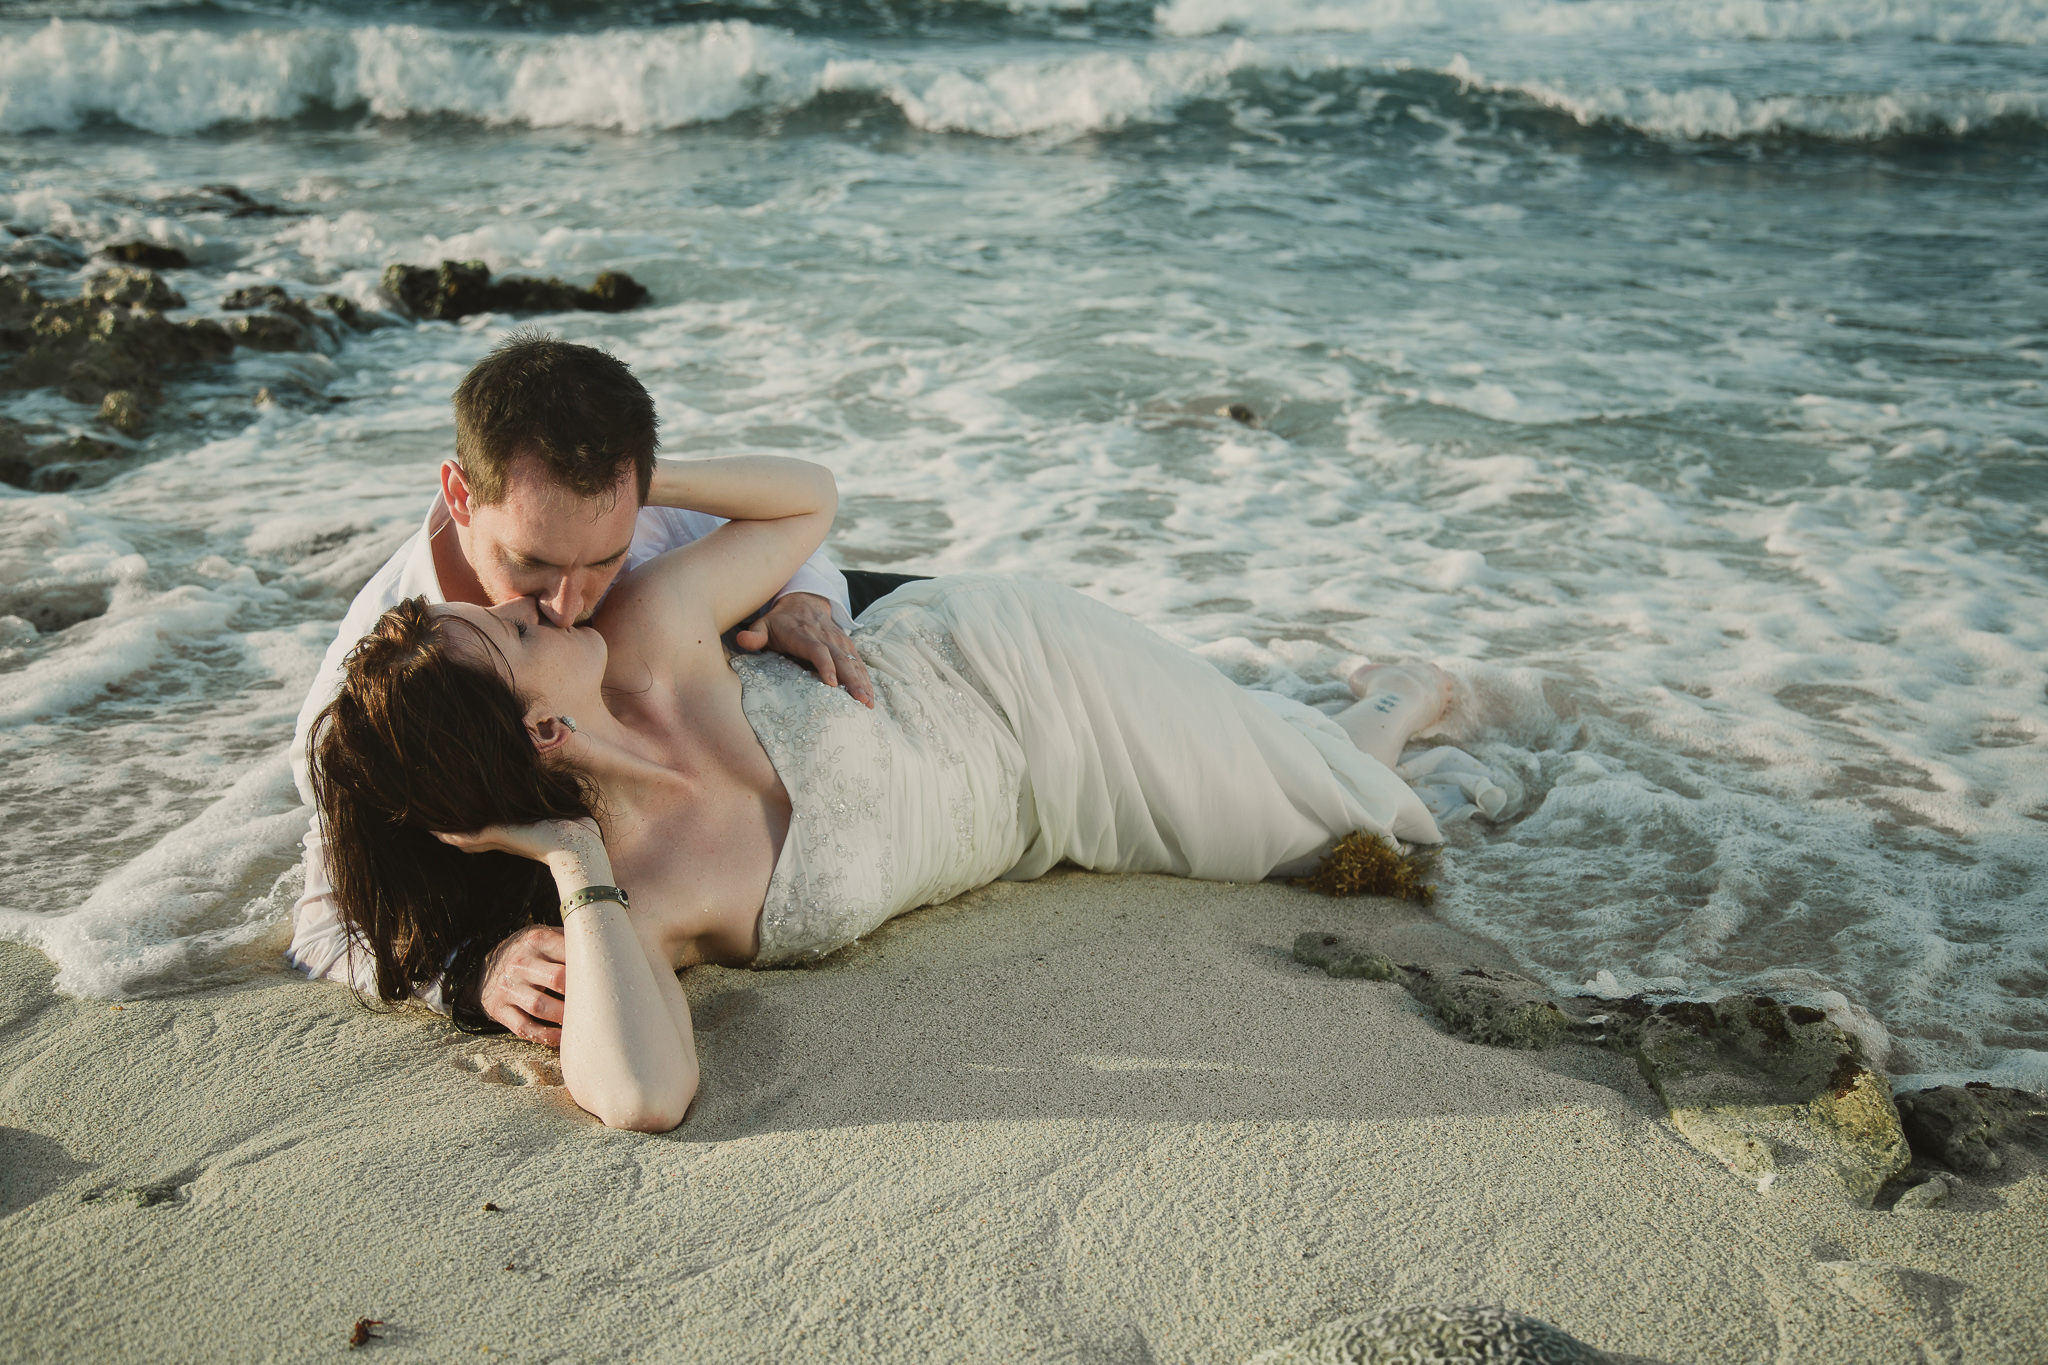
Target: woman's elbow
(828,490)
(645,1109)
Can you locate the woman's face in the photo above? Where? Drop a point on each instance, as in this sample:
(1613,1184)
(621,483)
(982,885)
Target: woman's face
(545,663)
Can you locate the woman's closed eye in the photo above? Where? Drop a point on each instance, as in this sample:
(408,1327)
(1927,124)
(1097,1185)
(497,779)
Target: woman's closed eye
(520,626)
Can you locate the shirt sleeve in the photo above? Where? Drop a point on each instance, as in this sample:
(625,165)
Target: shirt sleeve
(321,947)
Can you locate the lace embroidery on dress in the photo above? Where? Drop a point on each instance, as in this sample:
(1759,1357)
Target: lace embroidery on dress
(838,754)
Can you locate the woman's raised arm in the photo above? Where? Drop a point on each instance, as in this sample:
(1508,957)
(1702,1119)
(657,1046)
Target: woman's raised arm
(628,1054)
(778,512)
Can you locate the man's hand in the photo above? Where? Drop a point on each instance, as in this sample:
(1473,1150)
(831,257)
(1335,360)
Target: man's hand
(523,981)
(801,626)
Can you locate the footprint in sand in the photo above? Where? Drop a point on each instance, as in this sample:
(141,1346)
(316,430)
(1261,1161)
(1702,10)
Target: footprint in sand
(509,1071)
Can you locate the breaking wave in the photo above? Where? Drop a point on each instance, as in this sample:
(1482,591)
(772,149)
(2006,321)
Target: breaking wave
(68,75)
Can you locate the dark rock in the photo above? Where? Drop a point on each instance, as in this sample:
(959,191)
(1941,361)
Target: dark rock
(147,254)
(256,296)
(88,347)
(1239,413)
(1499,1009)
(457,289)
(614,291)
(345,311)
(1962,1127)
(124,411)
(76,450)
(1453,1334)
(13,439)
(1342,957)
(55,605)
(133,288)
(272,331)
(524,294)
(454,290)
(241,204)
(54,468)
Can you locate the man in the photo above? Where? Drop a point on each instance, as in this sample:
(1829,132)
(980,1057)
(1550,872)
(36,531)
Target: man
(554,489)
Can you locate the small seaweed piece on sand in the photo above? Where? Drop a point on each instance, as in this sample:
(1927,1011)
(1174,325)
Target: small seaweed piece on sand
(1366,864)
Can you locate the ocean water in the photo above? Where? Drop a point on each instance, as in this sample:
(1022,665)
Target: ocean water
(1677,373)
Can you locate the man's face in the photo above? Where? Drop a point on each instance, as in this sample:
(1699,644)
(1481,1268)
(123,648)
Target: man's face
(542,541)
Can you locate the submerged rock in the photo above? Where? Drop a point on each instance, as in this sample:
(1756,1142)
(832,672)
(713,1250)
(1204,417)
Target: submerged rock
(44,249)
(1452,1335)
(456,289)
(147,254)
(241,204)
(56,467)
(1963,1126)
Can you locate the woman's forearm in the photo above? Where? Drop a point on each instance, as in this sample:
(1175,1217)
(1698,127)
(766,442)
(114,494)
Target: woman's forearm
(744,487)
(627,1056)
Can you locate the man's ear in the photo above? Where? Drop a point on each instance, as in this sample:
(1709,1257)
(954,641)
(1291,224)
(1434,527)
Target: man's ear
(455,492)
(548,733)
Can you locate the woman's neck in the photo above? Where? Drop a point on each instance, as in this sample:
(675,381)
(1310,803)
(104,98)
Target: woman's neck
(631,786)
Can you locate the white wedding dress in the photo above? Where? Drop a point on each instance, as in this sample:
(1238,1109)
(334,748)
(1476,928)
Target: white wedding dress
(1017,725)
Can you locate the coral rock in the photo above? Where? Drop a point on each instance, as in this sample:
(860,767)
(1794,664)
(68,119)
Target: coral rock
(1729,1070)
(1342,957)
(1499,1009)
(1452,1335)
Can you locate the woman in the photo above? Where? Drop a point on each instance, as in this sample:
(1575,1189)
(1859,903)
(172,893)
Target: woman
(755,816)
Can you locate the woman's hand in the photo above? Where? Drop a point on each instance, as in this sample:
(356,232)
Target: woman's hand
(554,842)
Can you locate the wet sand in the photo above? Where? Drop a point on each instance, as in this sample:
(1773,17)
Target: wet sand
(1090,1119)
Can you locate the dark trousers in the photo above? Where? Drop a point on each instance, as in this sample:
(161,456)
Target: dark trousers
(864,588)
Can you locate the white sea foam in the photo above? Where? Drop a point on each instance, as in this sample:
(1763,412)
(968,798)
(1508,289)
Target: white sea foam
(2016,22)
(1714,111)
(66,75)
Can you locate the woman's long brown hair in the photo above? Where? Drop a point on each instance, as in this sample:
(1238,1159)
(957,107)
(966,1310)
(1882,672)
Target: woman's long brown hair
(420,738)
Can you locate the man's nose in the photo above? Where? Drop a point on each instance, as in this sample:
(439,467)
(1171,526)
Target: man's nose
(560,604)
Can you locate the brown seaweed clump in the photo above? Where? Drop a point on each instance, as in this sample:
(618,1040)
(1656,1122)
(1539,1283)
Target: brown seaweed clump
(1366,864)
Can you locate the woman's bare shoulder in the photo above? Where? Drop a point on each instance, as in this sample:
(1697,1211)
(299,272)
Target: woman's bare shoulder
(655,630)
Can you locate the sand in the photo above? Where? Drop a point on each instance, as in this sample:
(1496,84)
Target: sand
(1090,1119)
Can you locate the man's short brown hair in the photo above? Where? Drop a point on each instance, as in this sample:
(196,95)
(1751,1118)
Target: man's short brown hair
(576,409)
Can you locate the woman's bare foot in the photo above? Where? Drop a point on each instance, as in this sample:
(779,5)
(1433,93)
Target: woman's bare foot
(1395,703)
